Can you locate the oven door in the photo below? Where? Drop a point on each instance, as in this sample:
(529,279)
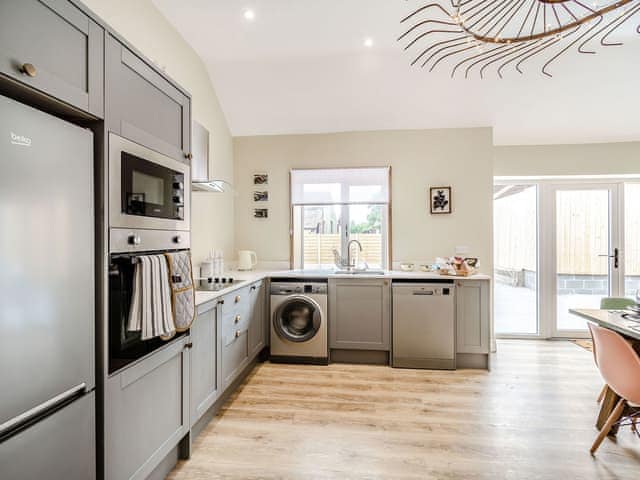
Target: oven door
(146,188)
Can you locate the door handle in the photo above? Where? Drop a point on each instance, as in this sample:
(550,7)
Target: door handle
(615,256)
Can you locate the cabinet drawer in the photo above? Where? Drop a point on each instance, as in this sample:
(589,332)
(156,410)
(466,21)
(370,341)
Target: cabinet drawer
(54,47)
(144,106)
(235,303)
(232,324)
(235,356)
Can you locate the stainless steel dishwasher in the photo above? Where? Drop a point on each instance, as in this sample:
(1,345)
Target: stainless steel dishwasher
(424,324)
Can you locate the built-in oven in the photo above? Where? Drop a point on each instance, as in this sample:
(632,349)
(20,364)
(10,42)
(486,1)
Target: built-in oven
(147,189)
(126,347)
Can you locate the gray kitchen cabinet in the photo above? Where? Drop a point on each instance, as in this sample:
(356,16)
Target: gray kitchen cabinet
(473,316)
(146,412)
(359,314)
(257,323)
(143,106)
(235,314)
(205,361)
(53,47)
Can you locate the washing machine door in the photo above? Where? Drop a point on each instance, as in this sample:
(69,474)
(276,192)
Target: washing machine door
(297,319)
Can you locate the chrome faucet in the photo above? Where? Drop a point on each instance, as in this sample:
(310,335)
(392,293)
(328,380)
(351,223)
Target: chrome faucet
(349,261)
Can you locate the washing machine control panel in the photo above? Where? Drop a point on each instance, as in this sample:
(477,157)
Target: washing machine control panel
(298,288)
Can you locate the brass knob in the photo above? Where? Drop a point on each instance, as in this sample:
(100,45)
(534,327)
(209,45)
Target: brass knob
(237,333)
(237,298)
(237,319)
(188,156)
(28,69)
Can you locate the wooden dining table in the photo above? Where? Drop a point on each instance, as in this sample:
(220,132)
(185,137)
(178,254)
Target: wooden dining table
(628,328)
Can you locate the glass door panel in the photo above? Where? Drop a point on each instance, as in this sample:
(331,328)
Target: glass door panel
(516,259)
(631,240)
(584,240)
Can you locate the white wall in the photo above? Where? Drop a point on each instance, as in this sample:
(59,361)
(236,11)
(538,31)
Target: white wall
(149,31)
(580,159)
(462,158)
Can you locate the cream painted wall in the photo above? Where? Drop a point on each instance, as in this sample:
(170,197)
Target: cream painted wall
(580,159)
(149,31)
(462,158)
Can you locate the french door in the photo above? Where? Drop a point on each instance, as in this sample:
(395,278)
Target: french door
(559,246)
(583,261)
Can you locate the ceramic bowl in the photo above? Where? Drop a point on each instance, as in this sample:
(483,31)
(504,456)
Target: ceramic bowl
(407,267)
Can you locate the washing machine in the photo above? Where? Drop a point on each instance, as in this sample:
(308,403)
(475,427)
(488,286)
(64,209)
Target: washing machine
(299,321)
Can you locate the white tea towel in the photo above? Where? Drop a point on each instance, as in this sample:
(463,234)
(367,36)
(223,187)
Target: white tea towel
(150,311)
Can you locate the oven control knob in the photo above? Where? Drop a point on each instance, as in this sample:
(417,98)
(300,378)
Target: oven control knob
(177,239)
(135,240)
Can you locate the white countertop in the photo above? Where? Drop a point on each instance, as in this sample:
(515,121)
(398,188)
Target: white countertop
(244,278)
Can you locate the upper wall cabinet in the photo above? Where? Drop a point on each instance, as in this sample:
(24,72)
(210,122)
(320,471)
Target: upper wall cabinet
(53,47)
(145,107)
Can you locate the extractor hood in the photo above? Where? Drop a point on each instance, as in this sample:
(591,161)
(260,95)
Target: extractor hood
(200,178)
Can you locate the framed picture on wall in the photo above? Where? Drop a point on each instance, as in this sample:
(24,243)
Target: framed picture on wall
(261,179)
(262,196)
(260,213)
(440,200)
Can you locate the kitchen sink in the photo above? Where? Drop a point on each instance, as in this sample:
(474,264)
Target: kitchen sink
(355,271)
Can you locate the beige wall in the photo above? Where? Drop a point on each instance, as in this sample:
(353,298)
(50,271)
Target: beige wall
(461,158)
(148,30)
(582,159)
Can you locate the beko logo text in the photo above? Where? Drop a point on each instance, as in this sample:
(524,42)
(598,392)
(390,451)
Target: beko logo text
(20,140)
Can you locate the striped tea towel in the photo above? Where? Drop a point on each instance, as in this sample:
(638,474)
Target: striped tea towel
(150,311)
(183,295)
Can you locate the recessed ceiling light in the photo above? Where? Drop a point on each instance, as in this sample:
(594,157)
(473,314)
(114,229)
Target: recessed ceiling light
(368,42)
(249,14)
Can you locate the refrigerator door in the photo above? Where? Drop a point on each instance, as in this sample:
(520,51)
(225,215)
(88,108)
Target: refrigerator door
(46,260)
(61,446)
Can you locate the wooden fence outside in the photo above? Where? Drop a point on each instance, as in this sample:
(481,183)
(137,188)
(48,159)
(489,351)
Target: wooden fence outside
(318,248)
(582,223)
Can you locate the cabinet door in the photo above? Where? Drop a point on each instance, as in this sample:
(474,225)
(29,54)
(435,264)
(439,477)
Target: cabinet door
(144,106)
(235,356)
(257,325)
(146,412)
(359,314)
(472,316)
(55,48)
(205,375)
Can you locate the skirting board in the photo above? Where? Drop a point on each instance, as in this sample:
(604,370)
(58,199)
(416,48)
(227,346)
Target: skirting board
(369,357)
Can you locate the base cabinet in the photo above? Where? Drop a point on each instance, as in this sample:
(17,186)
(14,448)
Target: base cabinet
(257,324)
(205,363)
(146,412)
(360,314)
(473,313)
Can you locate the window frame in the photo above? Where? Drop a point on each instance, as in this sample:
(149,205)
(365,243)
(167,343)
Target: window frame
(386,223)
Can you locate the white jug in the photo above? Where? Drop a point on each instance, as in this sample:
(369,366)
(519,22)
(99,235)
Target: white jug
(247,260)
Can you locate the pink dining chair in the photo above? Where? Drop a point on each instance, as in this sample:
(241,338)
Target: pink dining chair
(619,366)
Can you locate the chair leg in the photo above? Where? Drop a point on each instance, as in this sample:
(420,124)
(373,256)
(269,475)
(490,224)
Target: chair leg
(613,418)
(602,392)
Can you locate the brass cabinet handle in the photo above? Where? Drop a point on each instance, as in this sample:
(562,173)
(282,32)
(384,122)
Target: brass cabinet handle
(188,345)
(253,287)
(220,302)
(237,298)
(188,156)
(237,319)
(28,69)
(238,333)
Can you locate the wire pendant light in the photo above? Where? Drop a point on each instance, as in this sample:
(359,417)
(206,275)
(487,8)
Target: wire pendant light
(477,35)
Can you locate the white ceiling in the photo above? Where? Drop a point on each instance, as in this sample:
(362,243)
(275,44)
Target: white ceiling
(301,67)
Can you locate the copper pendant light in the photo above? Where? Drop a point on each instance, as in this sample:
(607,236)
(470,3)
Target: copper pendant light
(478,35)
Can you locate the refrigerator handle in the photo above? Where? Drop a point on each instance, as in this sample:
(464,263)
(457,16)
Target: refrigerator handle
(40,410)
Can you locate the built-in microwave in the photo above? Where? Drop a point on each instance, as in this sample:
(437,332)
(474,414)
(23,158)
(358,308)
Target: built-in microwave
(147,190)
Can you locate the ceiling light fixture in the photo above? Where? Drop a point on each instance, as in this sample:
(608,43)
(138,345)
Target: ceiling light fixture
(513,31)
(368,42)
(249,15)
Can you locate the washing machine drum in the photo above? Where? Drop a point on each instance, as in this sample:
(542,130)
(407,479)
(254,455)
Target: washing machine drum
(297,319)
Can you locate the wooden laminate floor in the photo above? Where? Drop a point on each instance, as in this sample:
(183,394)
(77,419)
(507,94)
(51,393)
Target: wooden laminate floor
(531,417)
